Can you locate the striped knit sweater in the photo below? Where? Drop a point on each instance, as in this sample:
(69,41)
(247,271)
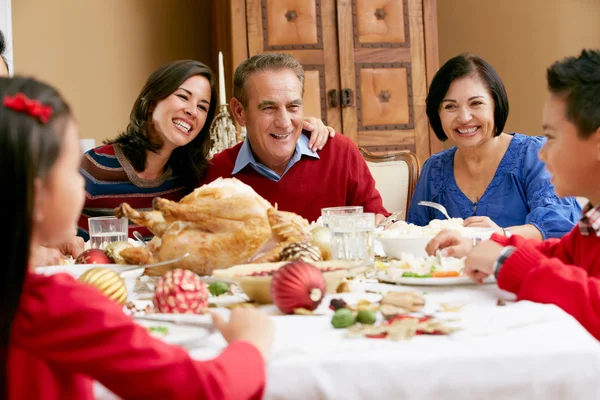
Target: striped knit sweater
(111,180)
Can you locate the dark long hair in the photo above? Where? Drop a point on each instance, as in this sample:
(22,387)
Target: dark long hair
(189,162)
(28,150)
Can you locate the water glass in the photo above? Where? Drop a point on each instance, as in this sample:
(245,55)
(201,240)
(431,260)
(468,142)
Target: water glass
(352,237)
(326,213)
(105,230)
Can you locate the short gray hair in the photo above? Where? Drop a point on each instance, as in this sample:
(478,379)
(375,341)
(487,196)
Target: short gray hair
(262,63)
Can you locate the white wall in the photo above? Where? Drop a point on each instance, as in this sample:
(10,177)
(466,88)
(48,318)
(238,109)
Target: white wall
(6,28)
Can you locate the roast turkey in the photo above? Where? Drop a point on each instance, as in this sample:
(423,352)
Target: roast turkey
(220,224)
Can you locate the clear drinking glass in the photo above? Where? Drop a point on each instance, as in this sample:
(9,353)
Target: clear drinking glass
(352,237)
(326,213)
(105,230)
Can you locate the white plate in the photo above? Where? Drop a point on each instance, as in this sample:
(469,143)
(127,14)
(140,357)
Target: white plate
(227,299)
(178,334)
(76,270)
(450,281)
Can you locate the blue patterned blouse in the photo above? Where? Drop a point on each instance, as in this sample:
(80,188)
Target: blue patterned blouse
(520,192)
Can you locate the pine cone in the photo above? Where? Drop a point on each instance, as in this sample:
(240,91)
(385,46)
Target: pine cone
(301,251)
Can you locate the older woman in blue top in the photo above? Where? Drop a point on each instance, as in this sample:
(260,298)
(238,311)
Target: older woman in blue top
(490,178)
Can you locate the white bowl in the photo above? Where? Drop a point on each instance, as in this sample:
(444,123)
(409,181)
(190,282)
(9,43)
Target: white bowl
(394,245)
(76,270)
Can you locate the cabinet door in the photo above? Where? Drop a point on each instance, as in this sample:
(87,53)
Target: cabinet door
(383,74)
(306,30)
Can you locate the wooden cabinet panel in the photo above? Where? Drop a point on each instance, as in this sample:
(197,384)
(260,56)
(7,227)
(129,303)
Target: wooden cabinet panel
(291,22)
(384,98)
(379,21)
(314,85)
(365,62)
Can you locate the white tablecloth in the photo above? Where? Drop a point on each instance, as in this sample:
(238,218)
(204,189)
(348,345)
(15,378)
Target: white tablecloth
(518,351)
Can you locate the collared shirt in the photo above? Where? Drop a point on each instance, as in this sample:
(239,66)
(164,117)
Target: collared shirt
(590,223)
(246,157)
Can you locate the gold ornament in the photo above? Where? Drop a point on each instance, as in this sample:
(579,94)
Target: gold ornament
(321,238)
(108,281)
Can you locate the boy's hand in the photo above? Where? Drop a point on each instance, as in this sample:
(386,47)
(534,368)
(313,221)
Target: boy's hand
(480,260)
(450,243)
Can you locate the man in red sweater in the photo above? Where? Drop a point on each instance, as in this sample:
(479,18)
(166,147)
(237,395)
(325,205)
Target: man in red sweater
(275,159)
(566,271)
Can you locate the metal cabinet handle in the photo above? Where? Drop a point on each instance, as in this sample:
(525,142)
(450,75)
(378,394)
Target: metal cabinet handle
(347,97)
(333,98)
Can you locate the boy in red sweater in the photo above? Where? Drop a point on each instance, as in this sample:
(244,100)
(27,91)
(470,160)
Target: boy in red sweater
(275,159)
(566,271)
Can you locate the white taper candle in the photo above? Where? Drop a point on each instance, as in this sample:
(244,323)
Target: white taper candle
(222,97)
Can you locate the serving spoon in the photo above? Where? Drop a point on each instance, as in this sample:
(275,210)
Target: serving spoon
(158,264)
(139,238)
(437,206)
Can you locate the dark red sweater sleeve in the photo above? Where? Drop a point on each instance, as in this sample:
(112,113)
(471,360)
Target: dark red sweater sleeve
(542,271)
(74,327)
(361,187)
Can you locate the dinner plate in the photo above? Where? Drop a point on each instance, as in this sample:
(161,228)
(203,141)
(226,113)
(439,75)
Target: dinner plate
(183,331)
(228,299)
(76,270)
(450,281)
(177,334)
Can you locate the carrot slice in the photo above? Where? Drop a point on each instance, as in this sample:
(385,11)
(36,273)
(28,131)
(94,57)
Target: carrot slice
(444,274)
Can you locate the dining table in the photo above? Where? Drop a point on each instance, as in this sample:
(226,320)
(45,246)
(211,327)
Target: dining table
(502,349)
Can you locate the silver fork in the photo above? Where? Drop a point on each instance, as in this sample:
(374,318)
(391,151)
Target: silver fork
(389,219)
(437,206)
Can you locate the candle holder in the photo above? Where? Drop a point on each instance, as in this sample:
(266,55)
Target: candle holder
(222,132)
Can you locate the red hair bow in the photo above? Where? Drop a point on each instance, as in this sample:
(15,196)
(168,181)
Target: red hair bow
(21,103)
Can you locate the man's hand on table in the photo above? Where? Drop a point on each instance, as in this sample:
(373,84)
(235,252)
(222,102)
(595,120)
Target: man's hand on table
(247,324)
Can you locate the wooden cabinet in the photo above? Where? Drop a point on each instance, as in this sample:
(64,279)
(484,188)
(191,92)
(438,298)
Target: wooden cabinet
(367,62)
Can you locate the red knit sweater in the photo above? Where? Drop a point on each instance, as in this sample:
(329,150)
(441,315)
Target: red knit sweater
(340,177)
(66,334)
(565,272)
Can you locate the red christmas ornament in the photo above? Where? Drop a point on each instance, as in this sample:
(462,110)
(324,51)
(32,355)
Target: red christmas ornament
(93,256)
(297,285)
(181,291)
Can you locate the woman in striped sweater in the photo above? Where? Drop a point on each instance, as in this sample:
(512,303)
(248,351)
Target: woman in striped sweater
(164,149)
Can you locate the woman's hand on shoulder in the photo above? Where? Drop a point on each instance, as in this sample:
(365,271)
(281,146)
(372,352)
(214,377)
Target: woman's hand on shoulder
(482,222)
(319,133)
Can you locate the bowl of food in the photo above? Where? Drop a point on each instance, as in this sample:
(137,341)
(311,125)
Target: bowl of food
(255,279)
(402,237)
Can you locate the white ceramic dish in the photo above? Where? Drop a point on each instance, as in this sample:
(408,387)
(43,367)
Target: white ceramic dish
(76,270)
(178,334)
(395,245)
(453,281)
